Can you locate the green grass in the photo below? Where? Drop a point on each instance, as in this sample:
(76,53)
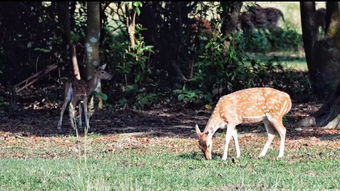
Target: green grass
(298,64)
(287,58)
(155,168)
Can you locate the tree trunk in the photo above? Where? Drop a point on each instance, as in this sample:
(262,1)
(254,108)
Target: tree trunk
(327,52)
(131,25)
(70,47)
(92,38)
(230,15)
(92,44)
(148,10)
(330,8)
(168,32)
(309,35)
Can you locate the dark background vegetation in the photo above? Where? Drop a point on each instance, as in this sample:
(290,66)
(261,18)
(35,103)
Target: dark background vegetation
(197,67)
(184,54)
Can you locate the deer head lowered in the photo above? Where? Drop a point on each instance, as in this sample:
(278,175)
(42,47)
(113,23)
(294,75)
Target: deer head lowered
(77,92)
(247,106)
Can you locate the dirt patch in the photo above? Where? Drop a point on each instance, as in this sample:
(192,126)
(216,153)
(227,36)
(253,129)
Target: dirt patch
(33,132)
(156,122)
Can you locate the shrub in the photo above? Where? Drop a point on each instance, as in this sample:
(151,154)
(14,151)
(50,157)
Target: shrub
(265,40)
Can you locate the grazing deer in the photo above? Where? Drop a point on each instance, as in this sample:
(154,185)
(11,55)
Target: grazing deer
(247,106)
(77,92)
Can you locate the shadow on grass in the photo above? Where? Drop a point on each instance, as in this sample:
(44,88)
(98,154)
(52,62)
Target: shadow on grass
(199,156)
(155,123)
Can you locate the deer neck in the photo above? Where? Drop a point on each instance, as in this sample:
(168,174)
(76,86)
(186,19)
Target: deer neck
(213,125)
(94,84)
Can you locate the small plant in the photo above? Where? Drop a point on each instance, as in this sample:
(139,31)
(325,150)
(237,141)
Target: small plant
(101,95)
(144,100)
(266,39)
(186,95)
(3,102)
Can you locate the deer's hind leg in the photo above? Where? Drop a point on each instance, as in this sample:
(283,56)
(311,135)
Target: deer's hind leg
(63,108)
(278,124)
(72,113)
(80,124)
(67,99)
(271,135)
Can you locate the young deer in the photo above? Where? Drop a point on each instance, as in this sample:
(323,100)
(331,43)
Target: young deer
(77,92)
(247,106)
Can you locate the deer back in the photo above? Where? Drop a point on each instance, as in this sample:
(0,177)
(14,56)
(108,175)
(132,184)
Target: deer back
(253,105)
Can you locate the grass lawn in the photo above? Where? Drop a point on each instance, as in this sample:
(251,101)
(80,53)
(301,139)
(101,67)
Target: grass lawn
(290,60)
(123,163)
(298,64)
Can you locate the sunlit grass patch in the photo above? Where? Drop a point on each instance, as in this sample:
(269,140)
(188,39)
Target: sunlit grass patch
(176,164)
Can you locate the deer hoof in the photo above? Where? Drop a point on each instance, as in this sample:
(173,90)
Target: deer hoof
(280,157)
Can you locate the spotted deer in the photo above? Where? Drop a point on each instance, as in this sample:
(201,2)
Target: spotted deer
(247,106)
(77,92)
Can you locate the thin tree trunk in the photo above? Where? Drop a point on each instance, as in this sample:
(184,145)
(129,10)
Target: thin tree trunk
(70,48)
(330,8)
(92,38)
(131,24)
(230,15)
(92,44)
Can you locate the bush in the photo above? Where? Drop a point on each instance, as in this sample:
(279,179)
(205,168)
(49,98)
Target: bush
(265,40)
(223,68)
(220,68)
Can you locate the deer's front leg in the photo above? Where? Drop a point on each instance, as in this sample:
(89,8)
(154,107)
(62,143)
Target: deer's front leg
(230,133)
(237,145)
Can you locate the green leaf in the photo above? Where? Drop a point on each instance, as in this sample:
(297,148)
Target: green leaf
(138,78)
(181,97)
(102,95)
(142,65)
(132,54)
(131,88)
(137,4)
(137,11)
(42,50)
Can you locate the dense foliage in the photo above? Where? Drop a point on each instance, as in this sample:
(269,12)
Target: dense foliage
(174,59)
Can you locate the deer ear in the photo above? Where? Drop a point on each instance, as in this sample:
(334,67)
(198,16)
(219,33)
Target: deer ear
(197,129)
(103,67)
